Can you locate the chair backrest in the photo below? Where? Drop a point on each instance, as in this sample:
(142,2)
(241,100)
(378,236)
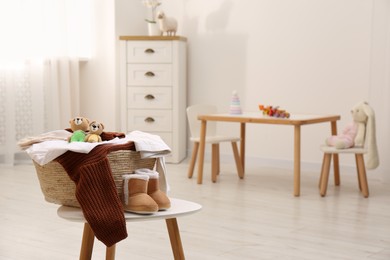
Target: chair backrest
(365,111)
(194,123)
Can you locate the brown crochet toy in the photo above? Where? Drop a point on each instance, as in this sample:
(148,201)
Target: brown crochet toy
(95,130)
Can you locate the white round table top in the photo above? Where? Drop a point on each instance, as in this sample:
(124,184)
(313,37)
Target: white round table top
(178,208)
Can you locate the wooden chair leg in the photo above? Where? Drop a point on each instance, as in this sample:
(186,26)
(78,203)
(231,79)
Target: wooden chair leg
(322,172)
(214,161)
(193,160)
(325,173)
(358,173)
(362,174)
(218,160)
(336,169)
(240,168)
(174,236)
(110,252)
(87,243)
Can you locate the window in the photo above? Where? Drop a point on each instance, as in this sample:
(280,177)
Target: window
(38,29)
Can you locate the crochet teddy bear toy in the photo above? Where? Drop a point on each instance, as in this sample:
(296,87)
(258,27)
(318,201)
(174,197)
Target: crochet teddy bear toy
(95,130)
(79,126)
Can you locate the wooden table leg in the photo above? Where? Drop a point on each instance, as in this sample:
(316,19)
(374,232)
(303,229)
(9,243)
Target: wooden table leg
(242,145)
(174,236)
(202,145)
(87,243)
(297,160)
(336,168)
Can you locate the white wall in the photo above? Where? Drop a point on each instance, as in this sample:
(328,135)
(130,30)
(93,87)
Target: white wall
(380,80)
(97,76)
(307,56)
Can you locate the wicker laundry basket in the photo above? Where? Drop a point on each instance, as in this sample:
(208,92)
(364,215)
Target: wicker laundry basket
(58,188)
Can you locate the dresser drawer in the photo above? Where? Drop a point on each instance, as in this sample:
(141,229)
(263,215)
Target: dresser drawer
(150,121)
(149,97)
(149,74)
(149,52)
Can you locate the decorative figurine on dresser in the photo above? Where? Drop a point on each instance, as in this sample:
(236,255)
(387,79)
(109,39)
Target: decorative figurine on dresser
(166,24)
(153,89)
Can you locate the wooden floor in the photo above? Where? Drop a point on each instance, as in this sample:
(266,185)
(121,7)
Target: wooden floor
(254,218)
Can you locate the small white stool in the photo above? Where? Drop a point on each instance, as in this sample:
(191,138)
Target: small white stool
(178,208)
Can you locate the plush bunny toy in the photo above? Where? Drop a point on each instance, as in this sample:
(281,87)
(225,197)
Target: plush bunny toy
(359,133)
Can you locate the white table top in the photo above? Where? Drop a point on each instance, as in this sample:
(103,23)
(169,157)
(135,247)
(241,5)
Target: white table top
(258,117)
(178,208)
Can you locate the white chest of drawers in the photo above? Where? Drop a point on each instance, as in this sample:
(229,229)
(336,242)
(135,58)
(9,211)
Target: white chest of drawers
(153,89)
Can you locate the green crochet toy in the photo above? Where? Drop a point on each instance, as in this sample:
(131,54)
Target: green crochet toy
(79,126)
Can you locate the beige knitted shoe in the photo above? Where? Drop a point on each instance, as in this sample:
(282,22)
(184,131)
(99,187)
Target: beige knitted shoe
(136,200)
(154,191)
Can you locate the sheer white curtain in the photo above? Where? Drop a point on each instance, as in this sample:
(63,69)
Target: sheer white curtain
(41,44)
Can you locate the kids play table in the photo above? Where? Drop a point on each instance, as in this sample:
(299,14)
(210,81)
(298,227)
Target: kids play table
(295,120)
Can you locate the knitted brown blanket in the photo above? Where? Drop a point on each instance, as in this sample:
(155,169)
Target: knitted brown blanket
(96,191)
